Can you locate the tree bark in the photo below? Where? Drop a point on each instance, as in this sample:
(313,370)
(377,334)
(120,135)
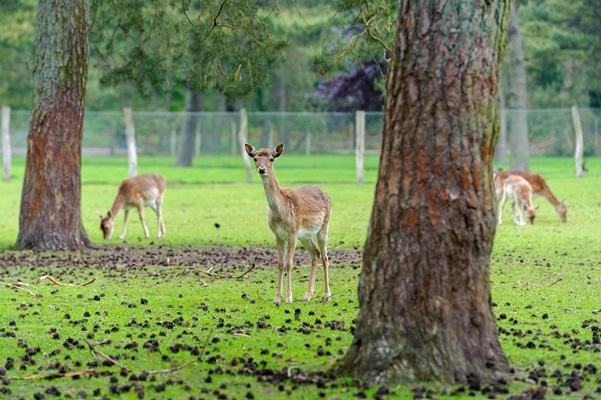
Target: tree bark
(424,291)
(50,216)
(187,144)
(518,97)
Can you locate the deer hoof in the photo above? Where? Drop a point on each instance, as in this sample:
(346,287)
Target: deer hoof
(307,297)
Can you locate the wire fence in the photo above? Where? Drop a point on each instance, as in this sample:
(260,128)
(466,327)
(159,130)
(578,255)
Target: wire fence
(550,132)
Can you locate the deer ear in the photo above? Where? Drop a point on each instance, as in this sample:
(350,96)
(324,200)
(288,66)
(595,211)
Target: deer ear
(100,215)
(563,201)
(279,149)
(250,150)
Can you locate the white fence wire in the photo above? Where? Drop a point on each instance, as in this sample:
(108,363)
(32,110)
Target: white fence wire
(550,132)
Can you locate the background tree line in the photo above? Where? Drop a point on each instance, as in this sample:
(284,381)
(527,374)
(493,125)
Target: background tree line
(560,39)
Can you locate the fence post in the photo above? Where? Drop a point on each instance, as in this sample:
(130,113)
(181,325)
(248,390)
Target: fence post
(578,152)
(172,142)
(234,140)
(198,140)
(242,135)
(130,134)
(271,135)
(308,144)
(359,143)
(501,149)
(6,144)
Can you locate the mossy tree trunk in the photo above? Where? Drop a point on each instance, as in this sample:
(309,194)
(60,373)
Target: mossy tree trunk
(50,215)
(518,96)
(424,292)
(187,144)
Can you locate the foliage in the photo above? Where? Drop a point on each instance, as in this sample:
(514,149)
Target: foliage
(362,42)
(368,30)
(199,45)
(17,35)
(356,89)
(560,39)
(562,51)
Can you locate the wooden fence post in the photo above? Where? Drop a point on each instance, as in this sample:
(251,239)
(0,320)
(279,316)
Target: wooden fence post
(130,134)
(359,143)
(308,144)
(579,147)
(6,153)
(242,137)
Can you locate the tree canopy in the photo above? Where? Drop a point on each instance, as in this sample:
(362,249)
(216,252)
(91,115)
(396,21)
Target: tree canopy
(167,46)
(204,45)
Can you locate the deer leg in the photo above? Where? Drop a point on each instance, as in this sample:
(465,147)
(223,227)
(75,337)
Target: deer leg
(515,215)
(291,246)
(314,253)
(281,254)
(141,214)
(125,214)
(322,243)
(161,220)
(501,206)
(160,224)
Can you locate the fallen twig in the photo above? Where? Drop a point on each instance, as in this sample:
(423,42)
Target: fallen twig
(56,282)
(98,352)
(228,276)
(17,286)
(557,280)
(167,370)
(70,374)
(245,272)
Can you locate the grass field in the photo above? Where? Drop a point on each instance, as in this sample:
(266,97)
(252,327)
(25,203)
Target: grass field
(175,332)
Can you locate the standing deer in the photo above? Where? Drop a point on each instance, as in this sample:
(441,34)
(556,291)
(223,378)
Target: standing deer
(141,191)
(520,190)
(301,213)
(539,188)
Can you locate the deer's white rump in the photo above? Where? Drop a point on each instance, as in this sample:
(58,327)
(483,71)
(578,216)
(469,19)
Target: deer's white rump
(301,213)
(146,190)
(520,191)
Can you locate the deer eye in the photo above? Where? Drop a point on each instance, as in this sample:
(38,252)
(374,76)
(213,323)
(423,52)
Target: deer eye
(271,160)
(255,158)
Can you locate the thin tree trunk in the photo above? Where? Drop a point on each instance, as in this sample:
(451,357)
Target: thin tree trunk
(518,97)
(50,216)
(188,139)
(424,291)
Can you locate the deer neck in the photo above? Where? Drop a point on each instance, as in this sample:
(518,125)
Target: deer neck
(551,197)
(273,193)
(118,204)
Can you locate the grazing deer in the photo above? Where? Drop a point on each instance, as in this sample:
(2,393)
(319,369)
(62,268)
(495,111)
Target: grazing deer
(141,191)
(520,190)
(539,188)
(301,213)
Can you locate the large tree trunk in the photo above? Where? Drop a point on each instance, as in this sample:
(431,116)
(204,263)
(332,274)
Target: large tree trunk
(424,291)
(187,144)
(518,97)
(50,217)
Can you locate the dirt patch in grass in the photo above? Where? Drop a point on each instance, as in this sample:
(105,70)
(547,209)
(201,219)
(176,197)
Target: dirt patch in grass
(143,256)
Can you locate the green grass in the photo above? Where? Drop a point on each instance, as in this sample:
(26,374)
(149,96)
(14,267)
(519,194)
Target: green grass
(545,285)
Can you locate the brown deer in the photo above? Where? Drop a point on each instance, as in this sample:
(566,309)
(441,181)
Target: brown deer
(301,213)
(519,189)
(146,190)
(539,188)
